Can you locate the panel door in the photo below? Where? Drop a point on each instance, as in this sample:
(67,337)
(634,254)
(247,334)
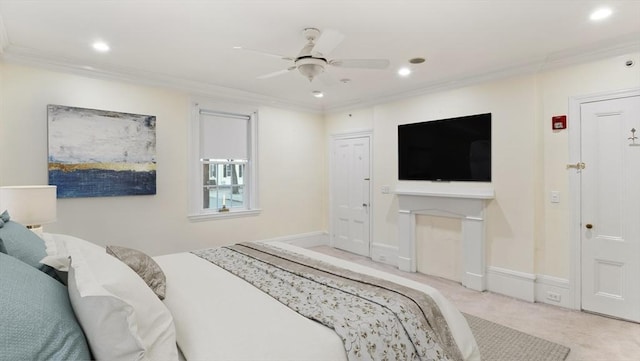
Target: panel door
(610,207)
(351,195)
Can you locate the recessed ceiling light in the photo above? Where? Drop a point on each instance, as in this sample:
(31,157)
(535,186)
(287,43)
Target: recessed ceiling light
(317,93)
(101,46)
(418,60)
(600,14)
(404,71)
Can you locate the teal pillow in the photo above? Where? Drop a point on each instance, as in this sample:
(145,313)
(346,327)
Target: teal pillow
(23,244)
(37,321)
(5,216)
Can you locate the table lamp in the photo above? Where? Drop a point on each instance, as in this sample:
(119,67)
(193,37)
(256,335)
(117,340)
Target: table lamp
(31,206)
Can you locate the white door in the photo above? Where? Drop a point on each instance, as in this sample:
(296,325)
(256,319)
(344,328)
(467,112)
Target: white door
(350,194)
(610,207)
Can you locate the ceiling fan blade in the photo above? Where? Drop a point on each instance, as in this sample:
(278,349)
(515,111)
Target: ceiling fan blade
(276,73)
(361,63)
(327,41)
(256,51)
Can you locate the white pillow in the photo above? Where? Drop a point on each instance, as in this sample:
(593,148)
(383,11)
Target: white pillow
(56,248)
(121,317)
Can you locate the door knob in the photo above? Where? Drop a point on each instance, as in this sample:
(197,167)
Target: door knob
(589,225)
(578,166)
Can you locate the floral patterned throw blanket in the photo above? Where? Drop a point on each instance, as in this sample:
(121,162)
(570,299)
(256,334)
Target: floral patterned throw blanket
(376,319)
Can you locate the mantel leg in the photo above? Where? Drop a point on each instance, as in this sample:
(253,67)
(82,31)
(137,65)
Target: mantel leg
(406,241)
(474,276)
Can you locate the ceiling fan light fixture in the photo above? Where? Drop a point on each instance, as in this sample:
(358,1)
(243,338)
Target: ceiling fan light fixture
(310,67)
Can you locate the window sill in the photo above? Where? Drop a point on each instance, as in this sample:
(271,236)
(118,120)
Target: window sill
(199,217)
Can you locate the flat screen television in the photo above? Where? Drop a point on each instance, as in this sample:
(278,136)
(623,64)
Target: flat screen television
(455,149)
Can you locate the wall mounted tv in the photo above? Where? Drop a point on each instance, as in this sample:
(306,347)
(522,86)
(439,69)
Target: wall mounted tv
(455,149)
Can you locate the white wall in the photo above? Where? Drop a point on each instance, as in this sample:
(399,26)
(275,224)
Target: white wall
(556,87)
(291,155)
(525,232)
(510,232)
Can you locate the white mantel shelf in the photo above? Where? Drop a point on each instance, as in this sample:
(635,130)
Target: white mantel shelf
(446,200)
(473,193)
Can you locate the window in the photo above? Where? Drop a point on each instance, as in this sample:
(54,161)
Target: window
(222,162)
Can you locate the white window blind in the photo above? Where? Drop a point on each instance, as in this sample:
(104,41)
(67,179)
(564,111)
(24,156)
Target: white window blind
(224,135)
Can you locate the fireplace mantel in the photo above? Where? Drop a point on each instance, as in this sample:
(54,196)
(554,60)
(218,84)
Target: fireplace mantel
(467,204)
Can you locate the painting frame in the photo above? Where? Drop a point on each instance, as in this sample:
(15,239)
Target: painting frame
(100,153)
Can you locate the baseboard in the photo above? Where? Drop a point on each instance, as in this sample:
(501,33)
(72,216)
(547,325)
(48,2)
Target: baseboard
(511,283)
(554,291)
(304,240)
(384,253)
(521,285)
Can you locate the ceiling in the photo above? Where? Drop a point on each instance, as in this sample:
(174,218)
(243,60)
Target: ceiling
(189,45)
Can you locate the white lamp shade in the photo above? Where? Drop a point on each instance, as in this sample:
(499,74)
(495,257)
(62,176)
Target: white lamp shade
(29,205)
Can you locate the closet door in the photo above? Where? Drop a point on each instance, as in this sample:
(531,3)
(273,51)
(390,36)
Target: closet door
(350,195)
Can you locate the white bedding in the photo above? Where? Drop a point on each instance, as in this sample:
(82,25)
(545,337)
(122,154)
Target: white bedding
(218,316)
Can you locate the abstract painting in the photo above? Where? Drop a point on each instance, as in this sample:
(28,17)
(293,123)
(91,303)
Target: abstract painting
(98,153)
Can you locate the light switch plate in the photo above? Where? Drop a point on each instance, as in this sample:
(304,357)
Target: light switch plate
(555,197)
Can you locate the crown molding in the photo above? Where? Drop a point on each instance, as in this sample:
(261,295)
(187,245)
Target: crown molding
(26,56)
(597,51)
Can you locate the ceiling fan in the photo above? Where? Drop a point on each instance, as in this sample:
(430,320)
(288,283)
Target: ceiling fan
(312,60)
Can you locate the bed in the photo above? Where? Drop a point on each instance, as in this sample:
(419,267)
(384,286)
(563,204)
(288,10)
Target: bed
(120,304)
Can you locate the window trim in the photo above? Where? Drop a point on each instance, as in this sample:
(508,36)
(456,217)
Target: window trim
(195,171)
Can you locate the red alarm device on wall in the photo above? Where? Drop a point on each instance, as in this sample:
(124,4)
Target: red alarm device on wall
(559,122)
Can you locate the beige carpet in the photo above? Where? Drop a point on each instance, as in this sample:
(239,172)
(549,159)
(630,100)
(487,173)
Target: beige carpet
(590,337)
(500,343)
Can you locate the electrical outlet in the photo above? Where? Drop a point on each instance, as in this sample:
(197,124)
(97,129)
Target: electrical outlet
(552,296)
(385,189)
